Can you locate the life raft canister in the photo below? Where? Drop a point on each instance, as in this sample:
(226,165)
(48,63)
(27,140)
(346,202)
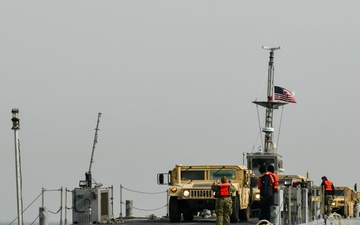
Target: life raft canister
(224,190)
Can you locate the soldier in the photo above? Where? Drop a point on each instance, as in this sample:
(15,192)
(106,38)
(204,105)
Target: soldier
(329,192)
(223,192)
(266,188)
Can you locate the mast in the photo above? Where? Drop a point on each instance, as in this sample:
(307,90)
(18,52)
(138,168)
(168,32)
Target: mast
(16,127)
(270,105)
(269,154)
(269,129)
(88,174)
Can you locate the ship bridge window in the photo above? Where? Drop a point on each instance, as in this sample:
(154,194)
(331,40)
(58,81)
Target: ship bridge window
(259,162)
(193,175)
(256,163)
(217,174)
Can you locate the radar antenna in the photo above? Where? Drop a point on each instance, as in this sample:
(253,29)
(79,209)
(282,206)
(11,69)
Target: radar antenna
(88,174)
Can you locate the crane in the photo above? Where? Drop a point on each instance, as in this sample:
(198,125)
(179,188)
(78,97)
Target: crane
(88,178)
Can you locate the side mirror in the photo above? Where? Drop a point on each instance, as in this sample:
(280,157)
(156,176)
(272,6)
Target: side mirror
(160,178)
(163,178)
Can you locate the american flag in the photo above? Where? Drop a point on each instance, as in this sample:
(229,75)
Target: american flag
(284,94)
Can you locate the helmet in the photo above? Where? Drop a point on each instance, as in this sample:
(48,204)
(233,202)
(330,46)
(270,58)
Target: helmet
(324,177)
(224,179)
(271,168)
(262,169)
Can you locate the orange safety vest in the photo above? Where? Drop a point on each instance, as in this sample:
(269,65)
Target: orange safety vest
(224,190)
(328,185)
(272,180)
(276,180)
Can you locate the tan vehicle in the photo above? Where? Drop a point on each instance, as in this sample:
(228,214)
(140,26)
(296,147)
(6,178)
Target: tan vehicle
(344,201)
(190,190)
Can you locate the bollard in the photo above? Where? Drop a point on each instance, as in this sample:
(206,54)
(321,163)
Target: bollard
(356,210)
(129,208)
(274,215)
(43,216)
(317,207)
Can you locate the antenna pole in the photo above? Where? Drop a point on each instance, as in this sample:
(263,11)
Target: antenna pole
(16,127)
(268,130)
(88,174)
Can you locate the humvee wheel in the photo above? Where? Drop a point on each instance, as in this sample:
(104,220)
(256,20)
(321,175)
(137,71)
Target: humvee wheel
(188,217)
(174,210)
(234,218)
(245,214)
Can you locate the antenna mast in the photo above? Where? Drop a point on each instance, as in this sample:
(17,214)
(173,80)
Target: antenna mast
(269,129)
(88,174)
(16,127)
(270,105)
(269,154)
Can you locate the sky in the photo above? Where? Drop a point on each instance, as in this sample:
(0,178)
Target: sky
(174,81)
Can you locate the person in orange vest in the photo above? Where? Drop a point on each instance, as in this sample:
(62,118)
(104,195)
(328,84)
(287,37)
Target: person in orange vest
(223,208)
(272,173)
(329,192)
(265,185)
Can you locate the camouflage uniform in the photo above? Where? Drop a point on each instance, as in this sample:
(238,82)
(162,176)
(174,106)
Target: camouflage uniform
(223,206)
(328,200)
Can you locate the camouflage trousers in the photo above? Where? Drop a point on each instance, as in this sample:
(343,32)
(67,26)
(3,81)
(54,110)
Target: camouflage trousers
(328,201)
(223,210)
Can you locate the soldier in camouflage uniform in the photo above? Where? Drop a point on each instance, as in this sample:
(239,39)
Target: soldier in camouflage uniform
(329,191)
(223,192)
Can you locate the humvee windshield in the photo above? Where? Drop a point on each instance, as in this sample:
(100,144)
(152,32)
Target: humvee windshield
(217,174)
(339,192)
(193,175)
(214,174)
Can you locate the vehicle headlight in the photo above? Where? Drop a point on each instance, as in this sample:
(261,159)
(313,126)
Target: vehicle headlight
(257,196)
(333,203)
(186,193)
(173,189)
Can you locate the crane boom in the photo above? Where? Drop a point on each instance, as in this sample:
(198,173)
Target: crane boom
(95,141)
(88,174)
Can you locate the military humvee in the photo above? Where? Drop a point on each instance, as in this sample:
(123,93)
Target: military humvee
(190,190)
(344,201)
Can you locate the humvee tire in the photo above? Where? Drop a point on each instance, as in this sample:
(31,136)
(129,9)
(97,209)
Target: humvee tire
(234,218)
(174,210)
(245,214)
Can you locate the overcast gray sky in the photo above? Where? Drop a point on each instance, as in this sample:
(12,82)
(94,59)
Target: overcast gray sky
(174,81)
